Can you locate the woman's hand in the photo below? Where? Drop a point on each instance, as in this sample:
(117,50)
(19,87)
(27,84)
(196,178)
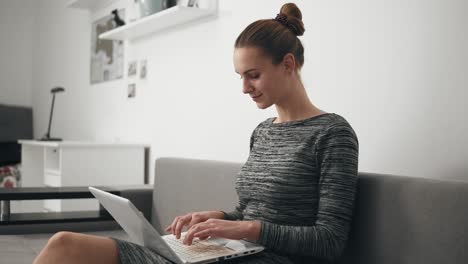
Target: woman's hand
(223,228)
(191,219)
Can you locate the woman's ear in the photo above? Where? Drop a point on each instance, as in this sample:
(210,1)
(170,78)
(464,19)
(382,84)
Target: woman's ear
(289,62)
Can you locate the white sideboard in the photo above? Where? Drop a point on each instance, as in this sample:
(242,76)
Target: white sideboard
(72,163)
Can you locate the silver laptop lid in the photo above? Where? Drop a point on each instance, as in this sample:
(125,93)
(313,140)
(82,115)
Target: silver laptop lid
(134,223)
(144,234)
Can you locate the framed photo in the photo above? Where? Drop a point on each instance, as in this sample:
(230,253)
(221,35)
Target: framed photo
(132,68)
(143,69)
(131,91)
(107,56)
(192,3)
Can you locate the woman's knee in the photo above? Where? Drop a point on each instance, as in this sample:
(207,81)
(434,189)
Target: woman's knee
(62,243)
(68,247)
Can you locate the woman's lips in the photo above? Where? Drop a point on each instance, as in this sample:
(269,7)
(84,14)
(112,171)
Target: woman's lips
(255,98)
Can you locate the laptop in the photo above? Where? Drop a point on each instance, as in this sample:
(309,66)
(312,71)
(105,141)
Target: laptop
(141,232)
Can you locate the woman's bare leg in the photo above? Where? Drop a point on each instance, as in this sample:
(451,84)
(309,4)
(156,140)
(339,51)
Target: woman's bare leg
(67,247)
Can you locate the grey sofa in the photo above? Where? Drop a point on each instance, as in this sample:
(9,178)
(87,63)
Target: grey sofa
(397,219)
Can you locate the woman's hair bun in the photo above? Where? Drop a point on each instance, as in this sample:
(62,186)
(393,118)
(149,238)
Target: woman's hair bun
(294,18)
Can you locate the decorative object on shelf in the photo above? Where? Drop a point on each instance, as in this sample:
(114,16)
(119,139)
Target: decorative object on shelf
(131,92)
(47,137)
(149,7)
(143,69)
(106,55)
(134,11)
(118,21)
(132,68)
(192,3)
(168,4)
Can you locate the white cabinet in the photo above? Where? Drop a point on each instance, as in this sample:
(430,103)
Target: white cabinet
(68,163)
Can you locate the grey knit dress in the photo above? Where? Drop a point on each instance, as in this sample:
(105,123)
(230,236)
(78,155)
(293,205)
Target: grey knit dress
(300,183)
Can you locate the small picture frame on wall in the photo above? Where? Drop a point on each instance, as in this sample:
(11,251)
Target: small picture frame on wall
(131,90)
(143,69)
(132,68)
(192,3)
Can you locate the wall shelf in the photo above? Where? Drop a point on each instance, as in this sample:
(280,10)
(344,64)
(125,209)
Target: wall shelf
(89,4)
(167,18)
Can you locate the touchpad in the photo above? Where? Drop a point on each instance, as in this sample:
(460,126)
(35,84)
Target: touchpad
(235,245)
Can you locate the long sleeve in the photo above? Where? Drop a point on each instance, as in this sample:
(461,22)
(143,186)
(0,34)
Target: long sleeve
(237,213)
(336,150)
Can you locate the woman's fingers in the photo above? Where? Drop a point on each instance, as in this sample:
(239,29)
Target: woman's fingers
(204,234)
(180,224)
(189,220)
(177,224)
(196,218)
(197,227)
(189,235)
(171,227)
(216,228)
(204,228)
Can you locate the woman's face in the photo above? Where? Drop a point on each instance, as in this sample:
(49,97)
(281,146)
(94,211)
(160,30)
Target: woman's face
(261,80)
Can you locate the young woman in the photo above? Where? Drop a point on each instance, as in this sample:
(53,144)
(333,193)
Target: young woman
(297,188)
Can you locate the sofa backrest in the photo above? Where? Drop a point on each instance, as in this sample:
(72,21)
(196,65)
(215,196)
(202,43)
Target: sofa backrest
(409,220)
(397,219)
(187,185)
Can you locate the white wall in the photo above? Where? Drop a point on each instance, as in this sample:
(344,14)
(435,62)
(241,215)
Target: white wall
(61,58)
(395,69)
(16,28)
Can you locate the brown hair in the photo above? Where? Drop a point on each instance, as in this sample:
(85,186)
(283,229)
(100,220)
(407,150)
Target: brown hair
(276,37)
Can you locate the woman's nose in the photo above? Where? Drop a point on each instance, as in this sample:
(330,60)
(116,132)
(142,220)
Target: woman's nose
(246,87)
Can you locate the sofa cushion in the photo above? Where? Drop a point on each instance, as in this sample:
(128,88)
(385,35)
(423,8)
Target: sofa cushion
(409,220)
(187,185)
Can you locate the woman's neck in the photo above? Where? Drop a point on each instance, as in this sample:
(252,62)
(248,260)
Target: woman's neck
(296,107)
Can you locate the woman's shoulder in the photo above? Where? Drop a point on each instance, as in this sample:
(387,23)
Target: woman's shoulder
(338,126)
(334,119)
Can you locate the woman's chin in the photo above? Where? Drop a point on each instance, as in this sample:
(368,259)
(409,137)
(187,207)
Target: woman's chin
(262,105)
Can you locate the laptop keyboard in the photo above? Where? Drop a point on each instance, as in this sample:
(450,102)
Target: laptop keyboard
(198,249)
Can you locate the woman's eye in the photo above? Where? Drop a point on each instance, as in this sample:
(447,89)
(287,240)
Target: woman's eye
(255,76)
